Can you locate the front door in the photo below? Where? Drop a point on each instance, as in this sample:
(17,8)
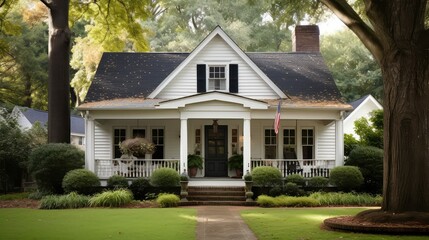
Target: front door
(216,152)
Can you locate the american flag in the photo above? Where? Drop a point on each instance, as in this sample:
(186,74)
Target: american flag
(277,118)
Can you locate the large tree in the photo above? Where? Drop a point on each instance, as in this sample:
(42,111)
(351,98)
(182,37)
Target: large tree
(394,32)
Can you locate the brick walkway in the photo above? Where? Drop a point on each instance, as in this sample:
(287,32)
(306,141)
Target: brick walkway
(222,222)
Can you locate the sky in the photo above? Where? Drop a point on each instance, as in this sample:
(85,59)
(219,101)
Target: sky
(331,25)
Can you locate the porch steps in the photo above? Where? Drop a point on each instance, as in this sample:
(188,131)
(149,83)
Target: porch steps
(203,195)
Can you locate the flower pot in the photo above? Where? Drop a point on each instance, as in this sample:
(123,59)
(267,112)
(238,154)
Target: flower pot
(239,172)
(192,171)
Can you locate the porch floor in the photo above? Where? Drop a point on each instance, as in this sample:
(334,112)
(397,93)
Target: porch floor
(216,182)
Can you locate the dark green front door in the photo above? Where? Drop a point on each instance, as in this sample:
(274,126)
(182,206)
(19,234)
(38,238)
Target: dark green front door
(216,152)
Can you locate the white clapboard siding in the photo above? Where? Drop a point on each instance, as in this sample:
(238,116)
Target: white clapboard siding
(217,51)
(103,142)
(326,142)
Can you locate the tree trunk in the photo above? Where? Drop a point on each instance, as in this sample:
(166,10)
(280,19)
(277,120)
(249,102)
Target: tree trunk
(59,83)
(406,122)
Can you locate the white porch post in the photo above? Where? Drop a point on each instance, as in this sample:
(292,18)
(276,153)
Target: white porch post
(246,145)
(339,145)
(89,143)
(183,145)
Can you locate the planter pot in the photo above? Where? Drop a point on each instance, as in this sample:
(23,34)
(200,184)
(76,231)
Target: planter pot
(184,185)
(249,185)
(192,171)
(239,172)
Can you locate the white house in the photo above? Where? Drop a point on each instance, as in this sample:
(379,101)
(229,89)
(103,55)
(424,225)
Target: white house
(216,101)
(362,107)
(26,117)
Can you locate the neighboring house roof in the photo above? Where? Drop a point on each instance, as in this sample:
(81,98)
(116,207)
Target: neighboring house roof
(77,124)
(358,102)
(301,76)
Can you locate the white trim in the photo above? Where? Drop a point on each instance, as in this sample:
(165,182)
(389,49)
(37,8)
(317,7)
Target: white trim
(217,31)
(367,99)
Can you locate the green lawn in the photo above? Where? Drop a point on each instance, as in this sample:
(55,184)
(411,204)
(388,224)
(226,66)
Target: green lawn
(148,223)
(303,224)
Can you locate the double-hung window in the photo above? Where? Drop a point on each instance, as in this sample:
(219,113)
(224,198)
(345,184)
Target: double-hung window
(270,144)
(289,143)
(217,78)
(119,135)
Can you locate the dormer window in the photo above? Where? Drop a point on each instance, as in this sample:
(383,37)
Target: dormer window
(216,79)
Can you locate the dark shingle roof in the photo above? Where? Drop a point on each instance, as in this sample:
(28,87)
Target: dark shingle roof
(301,76)
(77,124)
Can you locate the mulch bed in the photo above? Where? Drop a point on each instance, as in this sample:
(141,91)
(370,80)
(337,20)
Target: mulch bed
(21,203)
(349,223)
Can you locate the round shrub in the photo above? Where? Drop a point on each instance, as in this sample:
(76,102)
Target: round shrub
(49,164)
(292,189)
(165,177)
(346,178)
(81,181)
(296,178)
(275,191)
(117,181)
(370,163)
(138,186)
(168,200)
(266,176)
(318,182)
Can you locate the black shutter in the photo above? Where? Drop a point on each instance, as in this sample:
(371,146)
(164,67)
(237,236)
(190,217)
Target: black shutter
(233,78)
(201,78)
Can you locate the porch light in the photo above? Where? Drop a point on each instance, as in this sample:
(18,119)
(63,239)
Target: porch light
(215,125)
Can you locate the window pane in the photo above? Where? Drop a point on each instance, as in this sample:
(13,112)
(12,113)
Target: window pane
(270,152)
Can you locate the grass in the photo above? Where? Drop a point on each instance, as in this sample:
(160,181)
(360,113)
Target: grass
(304,223)
(148,223)
(14,196)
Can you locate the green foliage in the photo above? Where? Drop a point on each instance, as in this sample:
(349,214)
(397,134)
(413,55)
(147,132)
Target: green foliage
(292,189)
(235,162)
(346,199)
(286,201)
(354,68)
(168,200)
(165,177)
(370,163)
(368,133)
(116,198)
(49,164)
(296,178)
(71,200)
(117,181)
(266,176)
(248,177)
(14,196)
(318,182)
(346,178)
(350,143)
(37,195)
(195,161)
(14,151)
(137,187)
(81,181)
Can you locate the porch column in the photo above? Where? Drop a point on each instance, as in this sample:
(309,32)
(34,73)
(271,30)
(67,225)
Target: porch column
(183,145)
(339,145)
(89,143)
(246,145)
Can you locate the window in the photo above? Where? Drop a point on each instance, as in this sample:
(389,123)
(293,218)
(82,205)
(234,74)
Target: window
(139,133)
(217,79)
(234,141)
(119,135)
(270,144)
(307,143)
(197,141)
(158,140)
(289,143)
(81,140)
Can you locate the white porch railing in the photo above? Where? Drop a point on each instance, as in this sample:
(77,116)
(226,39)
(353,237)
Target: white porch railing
(305,167)
(132,168)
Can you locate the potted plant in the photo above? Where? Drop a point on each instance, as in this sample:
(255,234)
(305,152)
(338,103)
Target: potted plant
(136,146)
(236,162)
(195,162)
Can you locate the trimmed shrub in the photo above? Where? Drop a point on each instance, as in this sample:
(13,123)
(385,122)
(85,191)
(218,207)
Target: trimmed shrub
(296,178)
(266,176)
(138,187)
(346,178)
(168,200)
(81,181)
(292,189)
(318,181)
(346,199)
(370,163)
(265,201)
(287,201)
(49,164)
(117,182)
(114,198)
(165,177)
(71,200)
(275,191)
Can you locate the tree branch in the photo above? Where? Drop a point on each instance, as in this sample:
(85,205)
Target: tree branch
(48,5)
(2,3)
(424,39)
(355,23)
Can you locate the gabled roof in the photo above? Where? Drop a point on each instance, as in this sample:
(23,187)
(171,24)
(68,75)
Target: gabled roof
(356,104)
(77,124)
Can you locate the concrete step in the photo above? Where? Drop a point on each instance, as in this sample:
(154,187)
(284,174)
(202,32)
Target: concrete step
(215,198)
(218,203)
(207,195)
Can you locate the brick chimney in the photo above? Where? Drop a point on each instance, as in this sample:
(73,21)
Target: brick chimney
(305,38)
